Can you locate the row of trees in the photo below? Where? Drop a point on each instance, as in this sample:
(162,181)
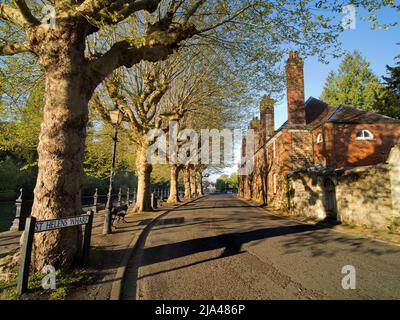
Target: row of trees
(88,41)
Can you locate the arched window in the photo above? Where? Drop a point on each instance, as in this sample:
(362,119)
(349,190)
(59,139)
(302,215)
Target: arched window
(364,135)
(320,138)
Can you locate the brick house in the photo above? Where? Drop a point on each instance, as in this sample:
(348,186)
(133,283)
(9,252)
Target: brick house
(315,135)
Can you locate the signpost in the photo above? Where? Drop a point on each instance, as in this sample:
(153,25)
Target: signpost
(33,226)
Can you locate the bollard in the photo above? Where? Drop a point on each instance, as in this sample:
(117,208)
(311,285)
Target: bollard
(16,225)
(153,201)
(95,197)
(119,197)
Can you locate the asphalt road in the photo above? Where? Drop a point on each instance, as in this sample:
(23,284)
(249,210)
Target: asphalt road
(221,248)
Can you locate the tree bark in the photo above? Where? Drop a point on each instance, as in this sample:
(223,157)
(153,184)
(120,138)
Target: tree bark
(144,169)
(61,144)
(173,190)
(193,184)
(186,182)
(200,190)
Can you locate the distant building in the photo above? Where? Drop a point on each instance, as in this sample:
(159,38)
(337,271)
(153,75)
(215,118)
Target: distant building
(315,135)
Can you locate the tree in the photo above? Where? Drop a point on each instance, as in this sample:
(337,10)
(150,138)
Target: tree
(72,72)
(151,95)
(354,84)
(225,182)
(389,102)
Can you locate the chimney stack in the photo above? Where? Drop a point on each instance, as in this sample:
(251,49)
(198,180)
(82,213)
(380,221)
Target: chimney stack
(267,118)
(295,90)
(255,125)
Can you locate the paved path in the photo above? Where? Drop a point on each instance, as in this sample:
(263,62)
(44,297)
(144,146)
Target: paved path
(221,248)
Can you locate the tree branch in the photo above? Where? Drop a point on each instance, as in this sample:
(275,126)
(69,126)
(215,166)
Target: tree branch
(195,7)
(19,17)
(12,48)
(114,11)
(157,46)
(26,13)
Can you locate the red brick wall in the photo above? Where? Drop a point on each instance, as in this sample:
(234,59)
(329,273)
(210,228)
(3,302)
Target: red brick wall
(293,150)
(324,150)
(348,151)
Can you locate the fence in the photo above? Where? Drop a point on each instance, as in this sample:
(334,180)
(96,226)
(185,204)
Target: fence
(14,213)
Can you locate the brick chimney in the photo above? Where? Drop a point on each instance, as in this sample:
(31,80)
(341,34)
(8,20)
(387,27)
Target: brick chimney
(255,125)
(267,118)
(295,90)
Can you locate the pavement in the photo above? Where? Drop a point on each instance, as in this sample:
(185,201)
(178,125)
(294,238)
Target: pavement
(219,247)
(107,256)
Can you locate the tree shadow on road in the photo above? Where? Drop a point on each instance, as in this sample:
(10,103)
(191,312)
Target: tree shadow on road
(231,242)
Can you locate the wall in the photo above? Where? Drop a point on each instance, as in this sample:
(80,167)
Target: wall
(366,196)
(306,194)
(350,152)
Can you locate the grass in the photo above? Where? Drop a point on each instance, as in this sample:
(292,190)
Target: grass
(65,281)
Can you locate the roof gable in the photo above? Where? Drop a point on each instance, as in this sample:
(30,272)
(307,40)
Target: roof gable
(317,111)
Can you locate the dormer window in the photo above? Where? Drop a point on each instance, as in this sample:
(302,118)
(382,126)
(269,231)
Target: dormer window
(320,138)
(364,135)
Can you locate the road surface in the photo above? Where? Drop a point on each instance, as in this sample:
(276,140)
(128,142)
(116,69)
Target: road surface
(219,247)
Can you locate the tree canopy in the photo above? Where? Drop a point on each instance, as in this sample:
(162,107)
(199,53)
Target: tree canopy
(354,84)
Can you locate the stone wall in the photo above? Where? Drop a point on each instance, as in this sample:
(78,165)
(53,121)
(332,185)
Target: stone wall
(306,194)
(364,196)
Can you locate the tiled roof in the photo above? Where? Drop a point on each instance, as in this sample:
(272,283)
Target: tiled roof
(350,114)
(317,112)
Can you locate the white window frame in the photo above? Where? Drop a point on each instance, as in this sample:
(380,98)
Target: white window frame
(320,138)
(275,184)
(369,136)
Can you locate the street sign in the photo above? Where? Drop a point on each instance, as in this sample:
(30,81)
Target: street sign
(47,225)
(32,226)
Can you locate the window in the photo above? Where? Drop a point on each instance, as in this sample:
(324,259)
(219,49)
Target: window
(275,183)
(320,138)
(364,135)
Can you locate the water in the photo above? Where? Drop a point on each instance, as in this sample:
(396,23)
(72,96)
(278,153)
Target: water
(7,213)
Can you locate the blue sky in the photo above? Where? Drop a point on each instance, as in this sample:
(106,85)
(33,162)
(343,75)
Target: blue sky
(379,47)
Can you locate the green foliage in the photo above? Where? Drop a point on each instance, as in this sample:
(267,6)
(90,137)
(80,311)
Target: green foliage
(353,84)
(21,129)
(389,102)
(225,182)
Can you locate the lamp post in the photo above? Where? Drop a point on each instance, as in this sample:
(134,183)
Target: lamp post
(116,118)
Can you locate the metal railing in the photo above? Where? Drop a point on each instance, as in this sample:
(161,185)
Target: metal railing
(16,212)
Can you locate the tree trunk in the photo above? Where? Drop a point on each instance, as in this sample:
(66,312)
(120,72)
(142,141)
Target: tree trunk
(173,191)
(193,187)
(200,190)
(143,168)
(61,144)
(186,182)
